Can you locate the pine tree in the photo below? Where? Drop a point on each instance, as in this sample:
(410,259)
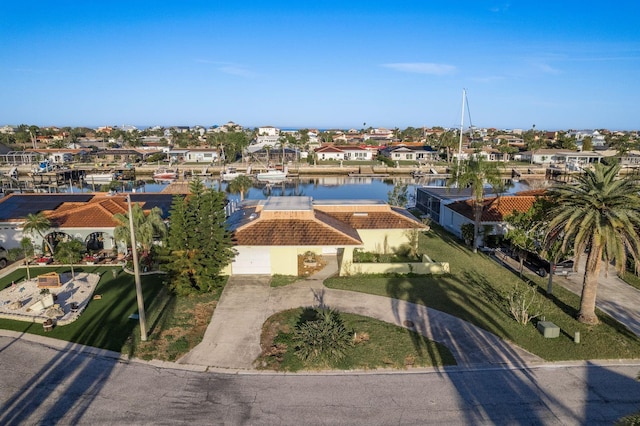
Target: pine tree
(199,243)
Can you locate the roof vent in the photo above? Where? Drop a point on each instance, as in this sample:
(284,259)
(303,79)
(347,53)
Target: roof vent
(253,216)
(361,214)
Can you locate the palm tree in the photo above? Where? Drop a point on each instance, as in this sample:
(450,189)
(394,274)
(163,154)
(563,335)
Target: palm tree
(147,227)
(475,173)
(69,252)
(38,223)
(27,249)
(601,213)
(240,184)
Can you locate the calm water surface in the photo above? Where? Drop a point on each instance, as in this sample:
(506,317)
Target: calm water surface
(321,188)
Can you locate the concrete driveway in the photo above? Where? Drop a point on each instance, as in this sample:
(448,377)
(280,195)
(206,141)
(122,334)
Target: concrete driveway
(232,339)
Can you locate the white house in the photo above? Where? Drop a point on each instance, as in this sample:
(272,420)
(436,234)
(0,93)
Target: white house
(201,155)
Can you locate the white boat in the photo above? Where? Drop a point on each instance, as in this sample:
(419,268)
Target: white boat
(272,175)
(165,174)
(229,174)
(101,178)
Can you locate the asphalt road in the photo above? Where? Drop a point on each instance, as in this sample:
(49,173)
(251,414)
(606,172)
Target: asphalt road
(43,385)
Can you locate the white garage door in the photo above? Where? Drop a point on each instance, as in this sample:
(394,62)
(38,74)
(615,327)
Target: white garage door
(252,261)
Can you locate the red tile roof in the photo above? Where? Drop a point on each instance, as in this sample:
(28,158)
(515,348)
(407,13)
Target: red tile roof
(321,230)
(495,209)
(96,213)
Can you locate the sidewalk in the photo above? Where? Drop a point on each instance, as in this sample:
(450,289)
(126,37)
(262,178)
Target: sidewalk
(615,297)
(232,339)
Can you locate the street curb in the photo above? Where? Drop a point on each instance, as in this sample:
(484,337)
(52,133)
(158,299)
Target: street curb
(62,345)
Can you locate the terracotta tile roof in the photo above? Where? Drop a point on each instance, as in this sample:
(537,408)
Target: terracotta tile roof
(495,209)
(322,230)
(390,219)
(97,213)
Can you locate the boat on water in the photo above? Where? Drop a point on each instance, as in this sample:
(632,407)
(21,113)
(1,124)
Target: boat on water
(230,173)
(100,178)
(165,174)
(272,175)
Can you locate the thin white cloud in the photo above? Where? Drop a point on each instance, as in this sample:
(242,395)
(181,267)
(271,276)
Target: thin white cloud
(546,68)
(500,8)
(237,70)
(229,68)
(422,68)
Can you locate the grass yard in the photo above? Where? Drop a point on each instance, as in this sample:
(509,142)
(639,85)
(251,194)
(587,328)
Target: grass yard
(175,325)
(379,345)
(477,290)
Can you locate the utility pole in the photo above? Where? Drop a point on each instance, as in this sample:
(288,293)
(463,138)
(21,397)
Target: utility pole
(136,272)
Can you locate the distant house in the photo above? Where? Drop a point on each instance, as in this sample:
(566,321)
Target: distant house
(121,155)
(344,152)
(420,154)
(329,152)
(63,156)
(202,155)
(561,157)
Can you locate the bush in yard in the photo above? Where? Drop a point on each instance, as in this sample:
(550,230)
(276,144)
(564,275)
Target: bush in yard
(321,334)
(523,304)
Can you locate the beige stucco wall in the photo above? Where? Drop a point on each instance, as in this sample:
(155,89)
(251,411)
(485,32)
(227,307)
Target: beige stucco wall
(375,240)
(398,268)
(284,260)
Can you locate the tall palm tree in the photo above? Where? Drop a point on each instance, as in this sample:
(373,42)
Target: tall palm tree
(147,227)
(38,223)
(474,173)
(240,184)
(601,213)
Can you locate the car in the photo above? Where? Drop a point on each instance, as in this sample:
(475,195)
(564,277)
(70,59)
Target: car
(542,267)
(3,257)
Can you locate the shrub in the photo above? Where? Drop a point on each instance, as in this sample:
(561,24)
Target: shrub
(321,334)
(523,304)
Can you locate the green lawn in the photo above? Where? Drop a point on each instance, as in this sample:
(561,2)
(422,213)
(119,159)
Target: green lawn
(383,345)
(477,290)
(104,323)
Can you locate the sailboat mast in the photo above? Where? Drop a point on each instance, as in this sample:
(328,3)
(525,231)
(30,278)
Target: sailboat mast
(464,96)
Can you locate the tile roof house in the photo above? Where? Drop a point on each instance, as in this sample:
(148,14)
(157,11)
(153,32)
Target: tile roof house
(403,152)
(344,152)
(86,217)
(495,209)
(269,235)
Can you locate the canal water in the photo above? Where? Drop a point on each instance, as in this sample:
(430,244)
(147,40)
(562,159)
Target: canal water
(318,187)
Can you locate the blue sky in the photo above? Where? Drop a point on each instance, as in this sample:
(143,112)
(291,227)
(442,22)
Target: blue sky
(555,64)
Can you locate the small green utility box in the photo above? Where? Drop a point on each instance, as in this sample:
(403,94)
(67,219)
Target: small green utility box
(548,329)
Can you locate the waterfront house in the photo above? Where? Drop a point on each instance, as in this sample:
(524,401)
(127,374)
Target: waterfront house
(494,211)
(572,160)
(344,152)
(201,155)
(269,235)
(87,217)
(402,152)
(329,152)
